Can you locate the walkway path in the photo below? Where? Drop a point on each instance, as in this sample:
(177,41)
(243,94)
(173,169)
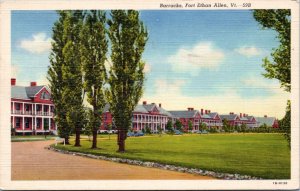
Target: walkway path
(30,161)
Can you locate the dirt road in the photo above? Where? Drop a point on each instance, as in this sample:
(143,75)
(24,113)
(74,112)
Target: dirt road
(30,161)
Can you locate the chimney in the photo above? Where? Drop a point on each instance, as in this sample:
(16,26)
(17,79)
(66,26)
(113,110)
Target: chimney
(159,104)
(244,115)
(201,111)
(32,83)
(13,81)
(265,116)
(144,102)
(189,109)
(241,115)
(205,111)
(152,103)
(192,109)
(208,111)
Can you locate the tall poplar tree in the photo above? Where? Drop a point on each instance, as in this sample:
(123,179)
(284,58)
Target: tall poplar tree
(126,78)
(93,56)
(55,77)
(72,75)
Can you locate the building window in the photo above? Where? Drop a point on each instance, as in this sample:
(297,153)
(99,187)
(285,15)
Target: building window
(26,107)
(38,107)
(45,108)
(18,106)
(18,122)
(26,123)
(38,123)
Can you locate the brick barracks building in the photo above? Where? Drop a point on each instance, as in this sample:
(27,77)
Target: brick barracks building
(32,112)
(31,109)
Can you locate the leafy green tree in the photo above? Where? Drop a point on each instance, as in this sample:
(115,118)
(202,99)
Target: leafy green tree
(109,128)
(72,75)
(93,51)
(178,125)
(169,126)
(243,128)
(203,126)
(55,77)
(285,123)
(159,129)
(148,130)
(190,125)
(280,65)
(225,125)
(128,38)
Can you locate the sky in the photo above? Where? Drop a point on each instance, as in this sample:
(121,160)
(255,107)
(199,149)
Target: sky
(202,59)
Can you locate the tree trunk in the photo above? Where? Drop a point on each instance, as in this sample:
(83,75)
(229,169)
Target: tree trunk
(67,141)
(94,145)
(121,140)
(77,139)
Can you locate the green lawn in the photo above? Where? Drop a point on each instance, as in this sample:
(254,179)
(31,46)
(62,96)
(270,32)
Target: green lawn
(260,155)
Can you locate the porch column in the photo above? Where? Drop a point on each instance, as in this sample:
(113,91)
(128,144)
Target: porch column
(13,110)
(49,124)
(23,108)
(13,121)
(43,123)
(23,123)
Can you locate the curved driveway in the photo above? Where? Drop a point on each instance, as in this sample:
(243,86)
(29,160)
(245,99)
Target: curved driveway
(30,161)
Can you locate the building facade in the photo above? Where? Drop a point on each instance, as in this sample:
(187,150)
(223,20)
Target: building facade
(144,115)
(31,109)
(269,121)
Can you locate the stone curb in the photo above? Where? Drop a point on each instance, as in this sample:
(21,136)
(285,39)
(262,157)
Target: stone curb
(224,176)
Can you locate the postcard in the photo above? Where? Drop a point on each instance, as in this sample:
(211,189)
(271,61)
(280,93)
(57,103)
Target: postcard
(132,95)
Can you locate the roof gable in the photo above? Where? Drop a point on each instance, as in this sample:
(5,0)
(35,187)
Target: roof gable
(33,90)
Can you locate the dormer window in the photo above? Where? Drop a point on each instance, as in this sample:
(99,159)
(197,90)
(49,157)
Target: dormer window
(43,95)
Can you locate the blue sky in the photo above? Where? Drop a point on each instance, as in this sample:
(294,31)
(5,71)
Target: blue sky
(200,59)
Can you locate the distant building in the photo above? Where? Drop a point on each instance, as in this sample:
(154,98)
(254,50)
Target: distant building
(31,109)
(269,121)
(145,115)
(233,119)
(184,116)
(211,120)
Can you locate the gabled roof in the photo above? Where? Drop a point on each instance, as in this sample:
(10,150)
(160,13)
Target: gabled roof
(269,121)
(250,118)
(164,112)
(212,115)
(206,116)
(229,117)
(19,92)
(32,90)
(184,114)
(22,92)
(140,109)
(243,118)
(149,107)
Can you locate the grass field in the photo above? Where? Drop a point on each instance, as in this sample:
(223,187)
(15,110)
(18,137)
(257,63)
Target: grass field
(261,155)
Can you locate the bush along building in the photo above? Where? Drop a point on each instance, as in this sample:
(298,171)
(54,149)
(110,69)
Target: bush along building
(31,109)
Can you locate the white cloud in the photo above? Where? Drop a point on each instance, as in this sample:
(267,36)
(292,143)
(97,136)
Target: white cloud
(172,98)
(147,68)
(248,51)
(38,44)
(204,55)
